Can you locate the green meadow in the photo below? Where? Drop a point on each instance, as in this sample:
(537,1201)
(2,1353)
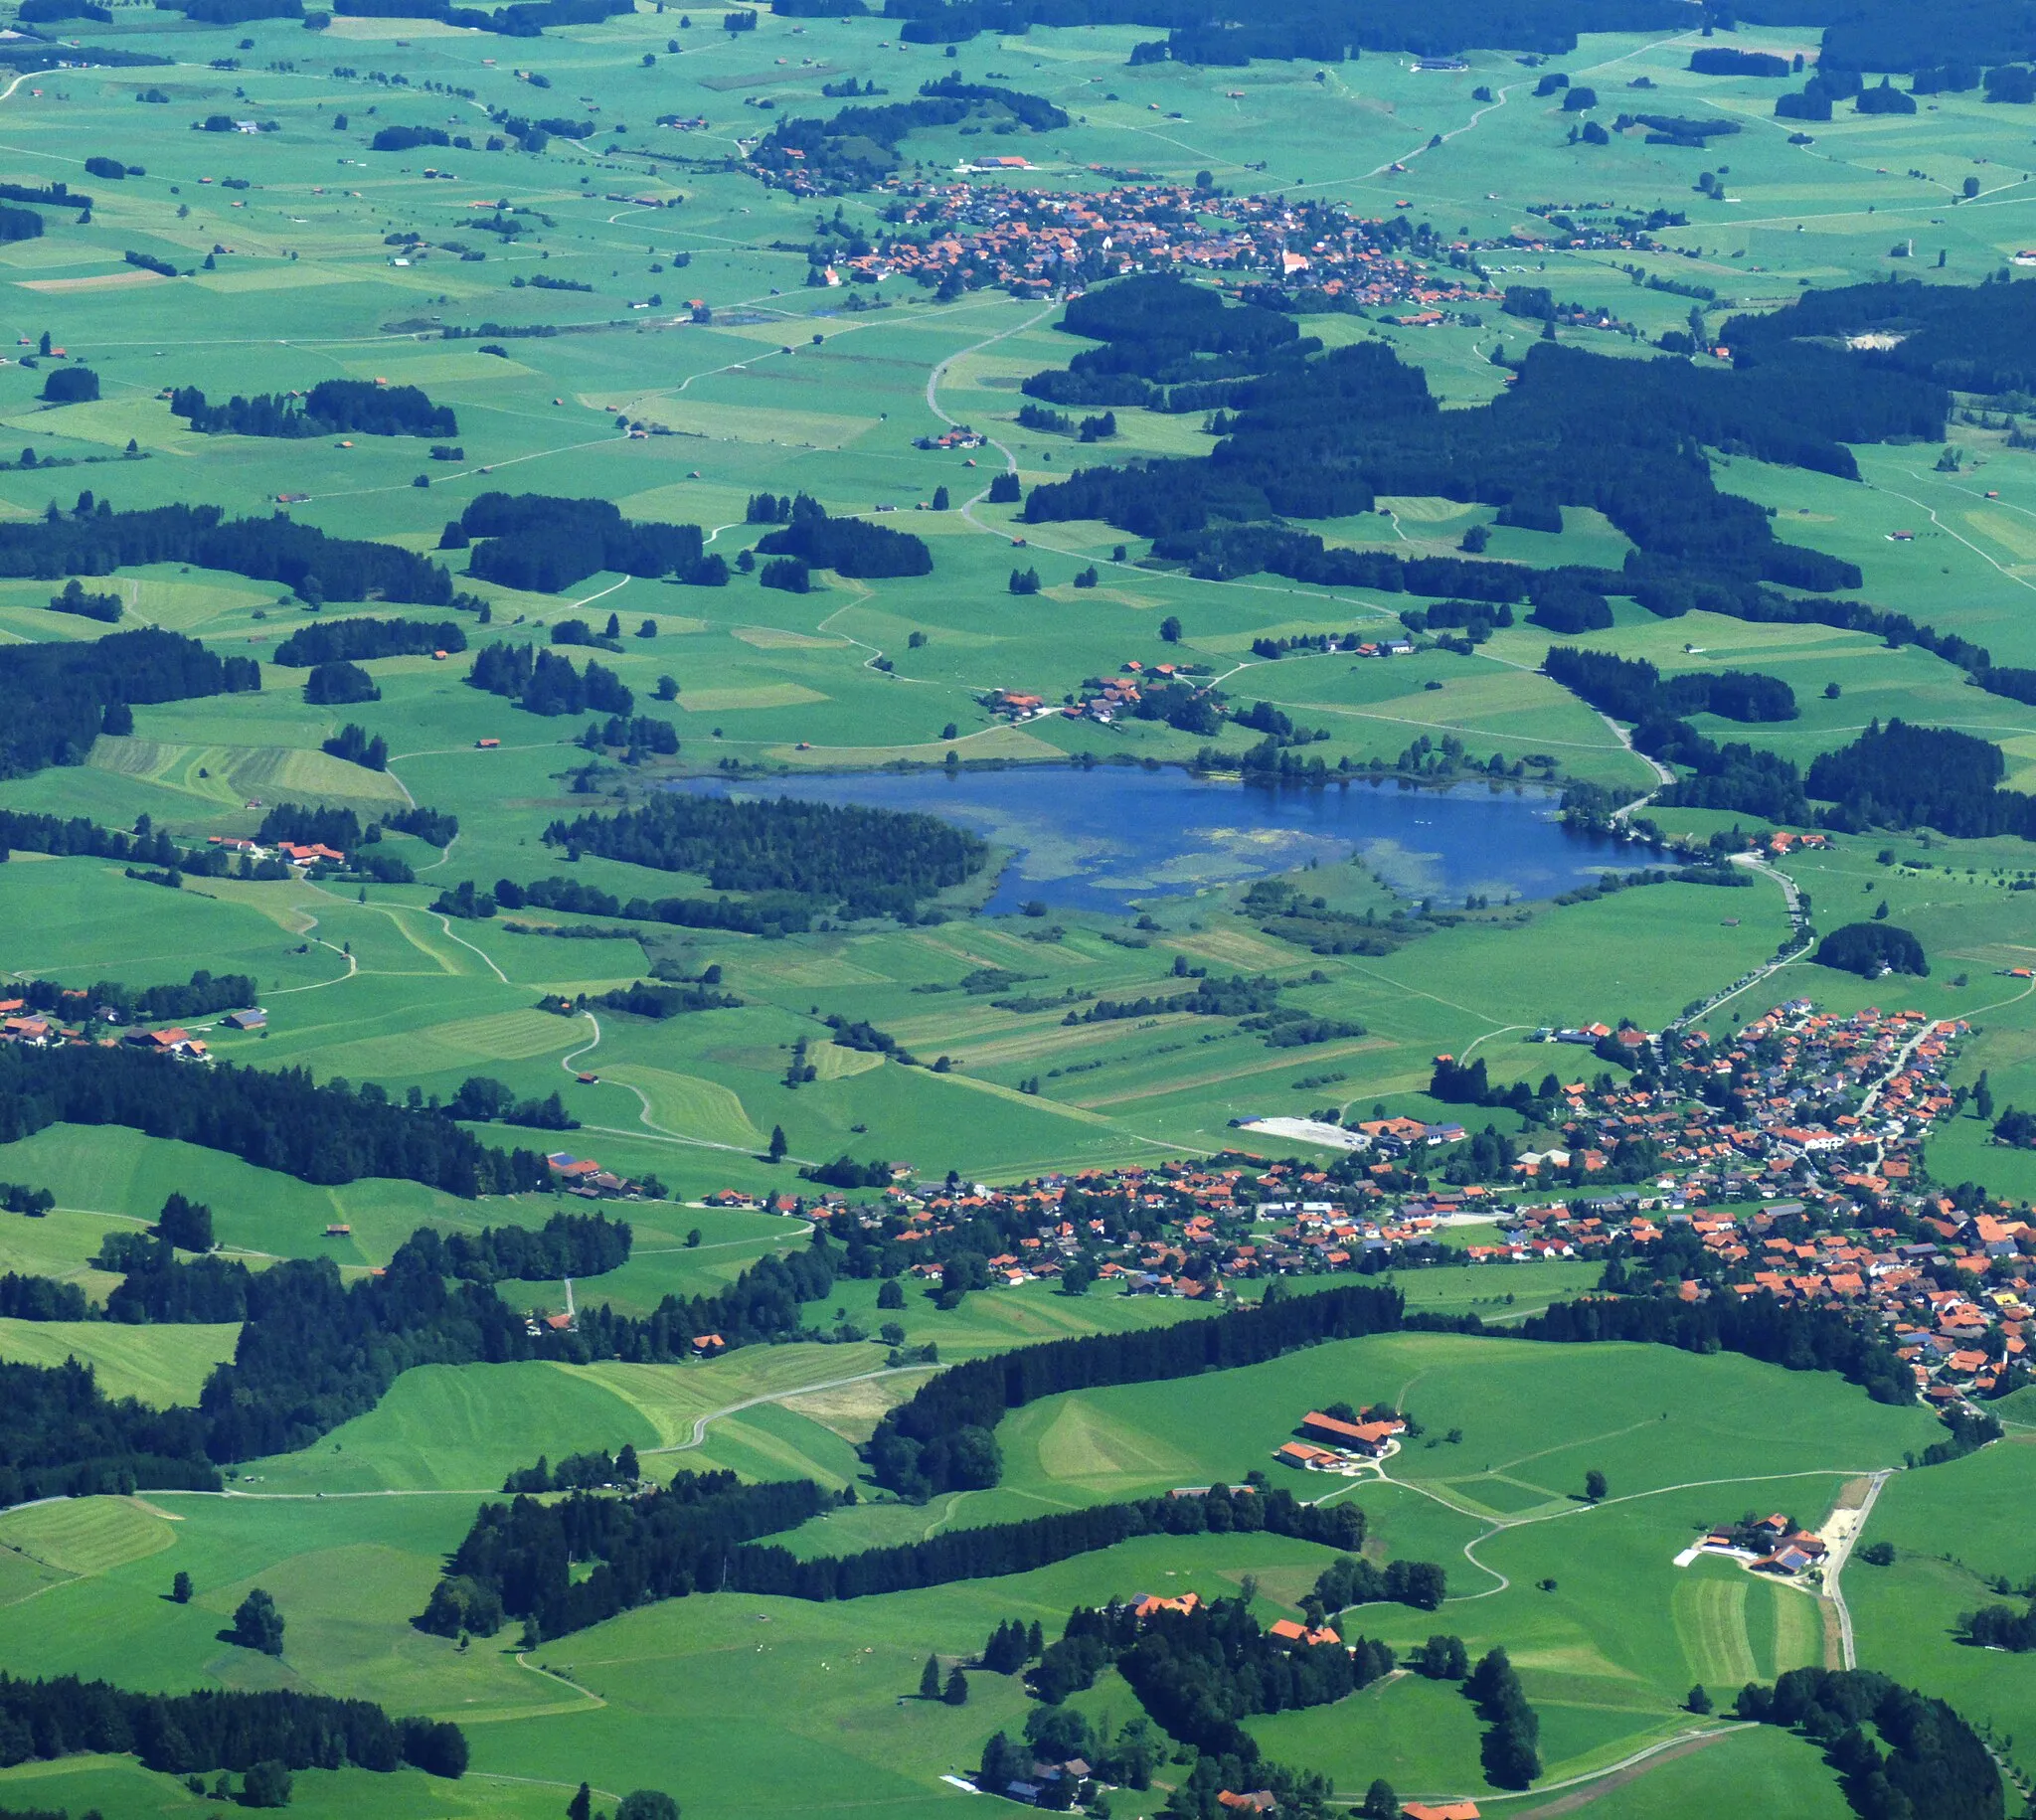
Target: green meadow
(770,1703)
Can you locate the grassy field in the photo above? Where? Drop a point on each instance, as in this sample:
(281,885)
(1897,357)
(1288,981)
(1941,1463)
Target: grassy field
(775,1708)
(348,1538)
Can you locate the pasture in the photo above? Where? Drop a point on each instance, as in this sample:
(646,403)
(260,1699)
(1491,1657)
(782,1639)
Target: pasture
(306,254)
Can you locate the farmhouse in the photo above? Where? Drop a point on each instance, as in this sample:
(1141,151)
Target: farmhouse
(1310,1459)
(1368,1439)
(1286,1630)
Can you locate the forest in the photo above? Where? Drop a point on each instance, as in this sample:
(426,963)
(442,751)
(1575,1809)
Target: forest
(1872,948)
(1935,1767)
(848,545)
(326,641)
(877,862)
(1904,776)
(1322,30)
(333,406)
(95,540)
(544,544)
(1733,775)
(315,1352)
(276,1119)
(859,145)
(1322,436)
(768,914)
(1199,1672)
(182,1734)
(544,681)
(83,689)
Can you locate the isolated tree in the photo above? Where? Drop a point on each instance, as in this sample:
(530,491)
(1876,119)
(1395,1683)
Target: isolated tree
(1594,1485)
(647,1804)
(1171,630)
(580,1807)
(941,499)
(267,1784)
(180,1588)
(694,1238)
(1699,1700)
(1380,1802)
(890,1295)
(955,1694)
(258,1625)
(187,1224)
(777,1143)
(929,1680)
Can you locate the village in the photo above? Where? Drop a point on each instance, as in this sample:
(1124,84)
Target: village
(1783,1161)
(1036,243)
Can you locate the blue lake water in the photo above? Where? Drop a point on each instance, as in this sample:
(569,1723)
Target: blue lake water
(1106,838)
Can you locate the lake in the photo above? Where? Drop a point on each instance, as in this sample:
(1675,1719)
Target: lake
(1104,839)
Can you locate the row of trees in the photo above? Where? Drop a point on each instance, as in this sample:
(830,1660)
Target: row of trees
(703,1534)
(940,1438)
(202,995)
(183,1734)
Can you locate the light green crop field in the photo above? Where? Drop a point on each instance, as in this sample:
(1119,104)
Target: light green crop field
(308,255)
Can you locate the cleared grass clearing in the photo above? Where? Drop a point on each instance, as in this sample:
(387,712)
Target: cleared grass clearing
(88,1535)
(687,1105)
(160,1365)
(232,775)
(461,1428)
(759,694)
(473,1044)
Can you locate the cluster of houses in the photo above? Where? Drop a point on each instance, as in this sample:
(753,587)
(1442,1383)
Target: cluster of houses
(291,853)
(39,1030)
(1769,1544)
(582,1175)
